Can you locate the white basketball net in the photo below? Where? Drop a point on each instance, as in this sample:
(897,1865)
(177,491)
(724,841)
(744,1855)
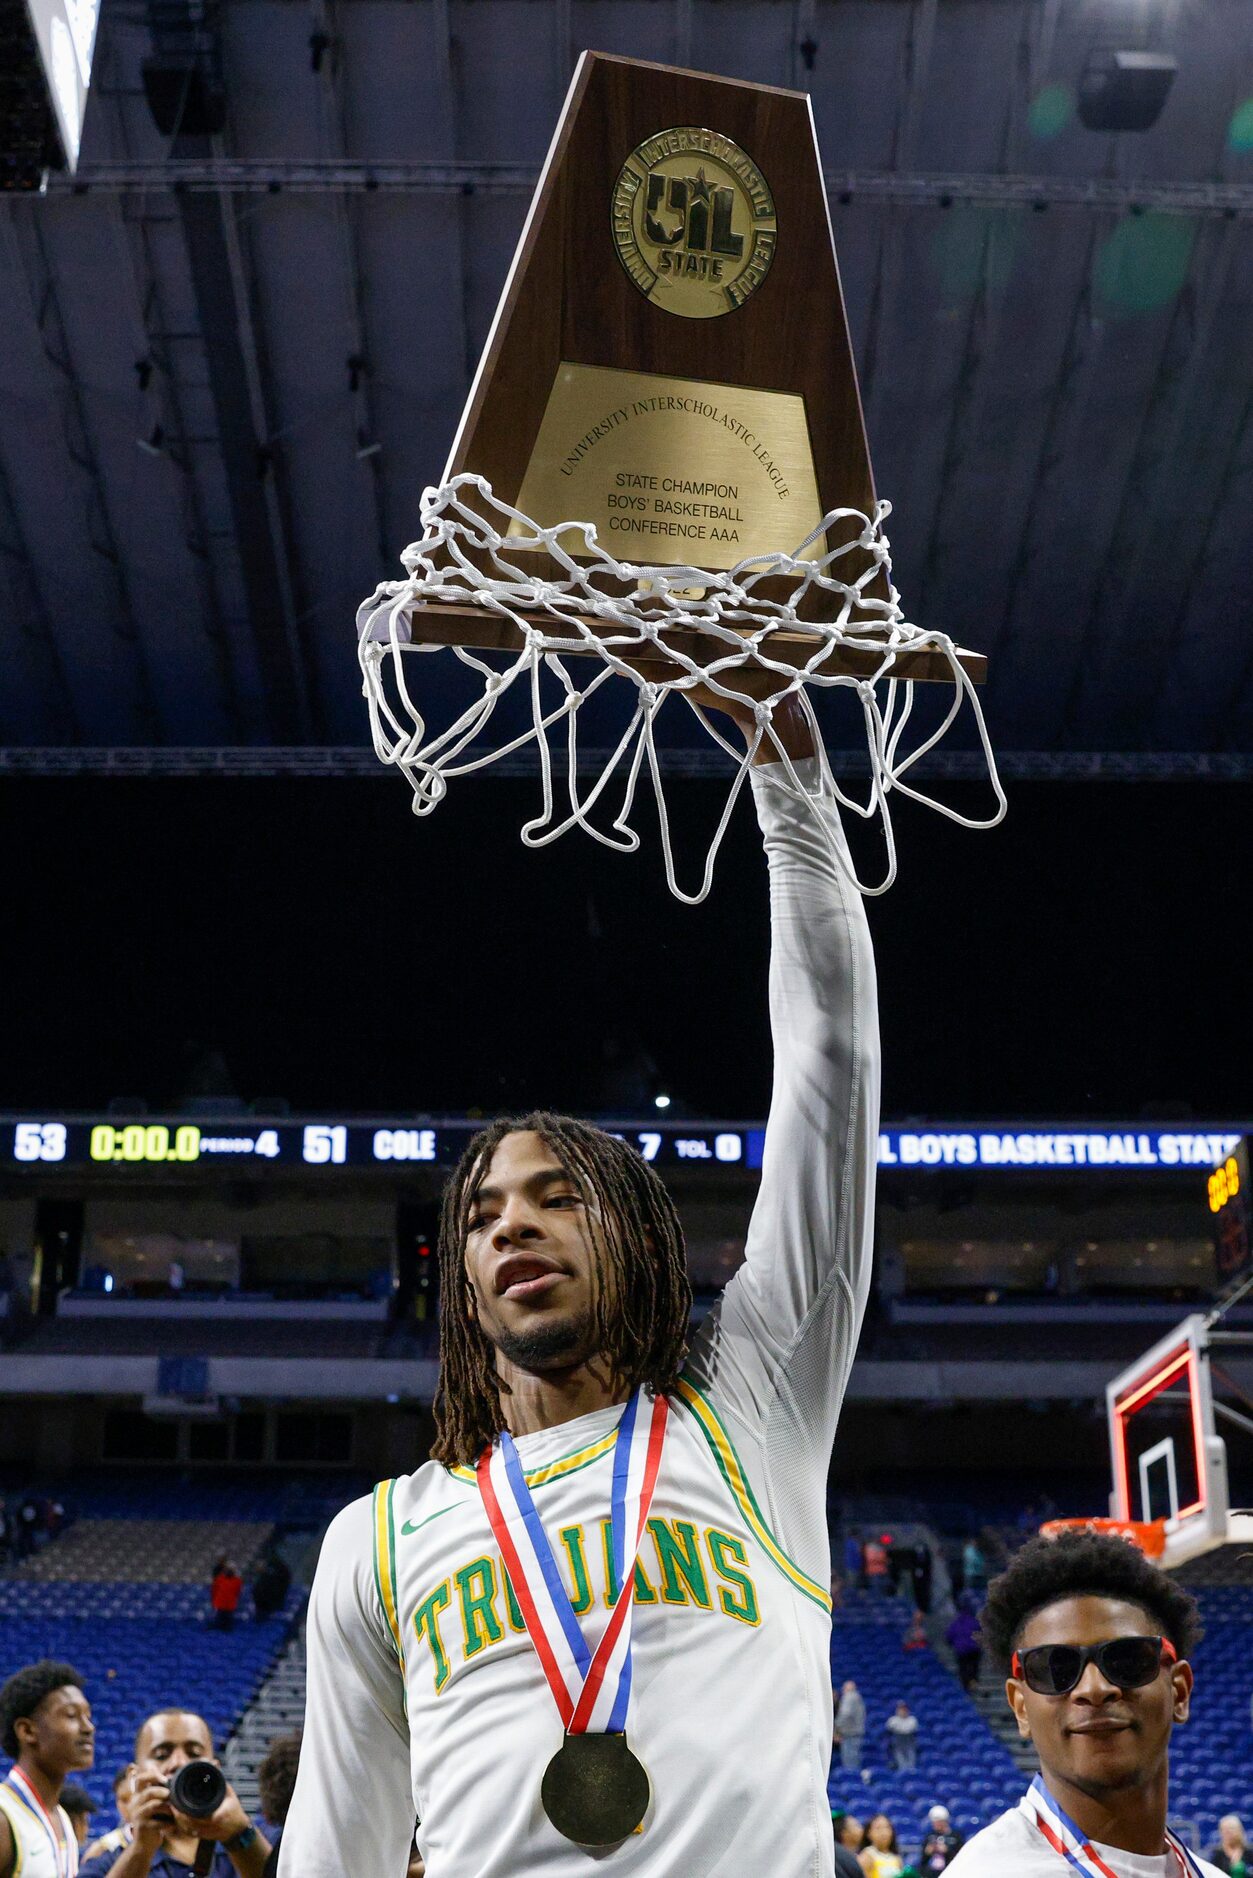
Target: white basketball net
(466,560)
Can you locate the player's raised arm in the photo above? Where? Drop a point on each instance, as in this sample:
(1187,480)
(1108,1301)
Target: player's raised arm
(352,1810)
(779,1346)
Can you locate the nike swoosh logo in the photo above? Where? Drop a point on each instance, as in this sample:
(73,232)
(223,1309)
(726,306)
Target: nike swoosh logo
(408,1529)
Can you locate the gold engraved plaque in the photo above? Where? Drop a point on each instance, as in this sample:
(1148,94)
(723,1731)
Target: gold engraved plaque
(672,470)
(693,222)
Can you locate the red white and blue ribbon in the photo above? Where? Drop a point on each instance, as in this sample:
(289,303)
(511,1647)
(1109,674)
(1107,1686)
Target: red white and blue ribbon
(64,1844)
(591,1686)
(1069,1842)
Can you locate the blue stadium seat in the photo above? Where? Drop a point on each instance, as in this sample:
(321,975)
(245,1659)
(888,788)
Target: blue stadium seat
(139,1646)
(960,1761)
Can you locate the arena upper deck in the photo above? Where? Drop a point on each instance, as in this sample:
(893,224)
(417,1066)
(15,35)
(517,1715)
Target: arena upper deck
(1050,324)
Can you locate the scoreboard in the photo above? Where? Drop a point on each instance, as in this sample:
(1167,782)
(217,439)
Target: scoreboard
(33,1144)
(1227,1192)
(30,1142)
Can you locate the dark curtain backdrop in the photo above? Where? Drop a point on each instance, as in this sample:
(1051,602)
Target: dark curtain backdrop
(310,939)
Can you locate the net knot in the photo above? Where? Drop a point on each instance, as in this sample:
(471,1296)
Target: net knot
(662,629)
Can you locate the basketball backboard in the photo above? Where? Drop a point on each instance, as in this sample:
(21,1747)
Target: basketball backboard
(1169,1462)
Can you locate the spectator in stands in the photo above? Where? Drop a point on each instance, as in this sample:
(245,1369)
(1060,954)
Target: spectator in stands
(79,1805)
(921,1577)
(916,1637)
(224,1593)
(965,1639)
(942,1843)
(850,1726)
(875,1553)
(974,1566)
(1231,1854)
(121,1835)
(46,1729)
(1096,1641)
(881,1856)
(900,1561)
(164,1843)
(902,1728)
(847,1864)
(27,1520)
(276,1782)
(854,1559)
(271,1583)
(851,1834)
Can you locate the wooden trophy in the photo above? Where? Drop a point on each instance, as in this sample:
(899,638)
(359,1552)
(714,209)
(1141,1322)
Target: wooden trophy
(670,359)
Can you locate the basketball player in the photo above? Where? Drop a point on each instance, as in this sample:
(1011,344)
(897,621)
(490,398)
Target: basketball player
(1096,1641)
(431,1682)
(45,1726)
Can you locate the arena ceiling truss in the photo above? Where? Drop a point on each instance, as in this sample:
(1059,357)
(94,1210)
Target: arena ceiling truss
(235,353)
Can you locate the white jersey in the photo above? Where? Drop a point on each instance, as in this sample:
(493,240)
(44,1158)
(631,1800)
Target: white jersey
(45,1843)
(1013,1847)
(425,1695)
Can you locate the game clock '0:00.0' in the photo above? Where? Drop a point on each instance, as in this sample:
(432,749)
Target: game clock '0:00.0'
(144,1143)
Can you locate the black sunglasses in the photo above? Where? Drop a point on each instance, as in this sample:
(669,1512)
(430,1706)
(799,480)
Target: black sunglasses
(1126,1662)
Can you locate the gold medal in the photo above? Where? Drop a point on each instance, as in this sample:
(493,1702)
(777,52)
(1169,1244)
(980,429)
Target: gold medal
(595,1791)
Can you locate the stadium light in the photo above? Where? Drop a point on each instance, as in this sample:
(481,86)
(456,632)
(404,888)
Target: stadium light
(1125,90)
(47,49)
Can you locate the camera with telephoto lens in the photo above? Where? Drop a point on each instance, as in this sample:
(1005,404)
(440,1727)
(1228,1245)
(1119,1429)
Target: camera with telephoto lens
(198,1789)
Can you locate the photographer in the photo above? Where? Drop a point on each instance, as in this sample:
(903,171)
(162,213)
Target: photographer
(165,1840)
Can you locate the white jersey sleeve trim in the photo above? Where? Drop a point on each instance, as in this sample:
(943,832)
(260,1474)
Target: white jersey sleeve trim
(352,1810)
(723,1450)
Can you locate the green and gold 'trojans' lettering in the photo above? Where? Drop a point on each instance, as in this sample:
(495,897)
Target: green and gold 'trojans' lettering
(644,1593)
(742,1602)
(479,1623)
(581,1598)
(678,1554)
(691,1567)
(426,1623)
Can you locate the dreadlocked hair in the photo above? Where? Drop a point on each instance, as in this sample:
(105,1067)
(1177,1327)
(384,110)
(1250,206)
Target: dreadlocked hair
(641,1305)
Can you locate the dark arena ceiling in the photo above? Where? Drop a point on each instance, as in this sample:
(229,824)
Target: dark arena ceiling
(231,361)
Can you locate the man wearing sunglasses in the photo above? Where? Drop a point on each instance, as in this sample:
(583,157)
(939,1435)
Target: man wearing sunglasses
(1096,1641)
